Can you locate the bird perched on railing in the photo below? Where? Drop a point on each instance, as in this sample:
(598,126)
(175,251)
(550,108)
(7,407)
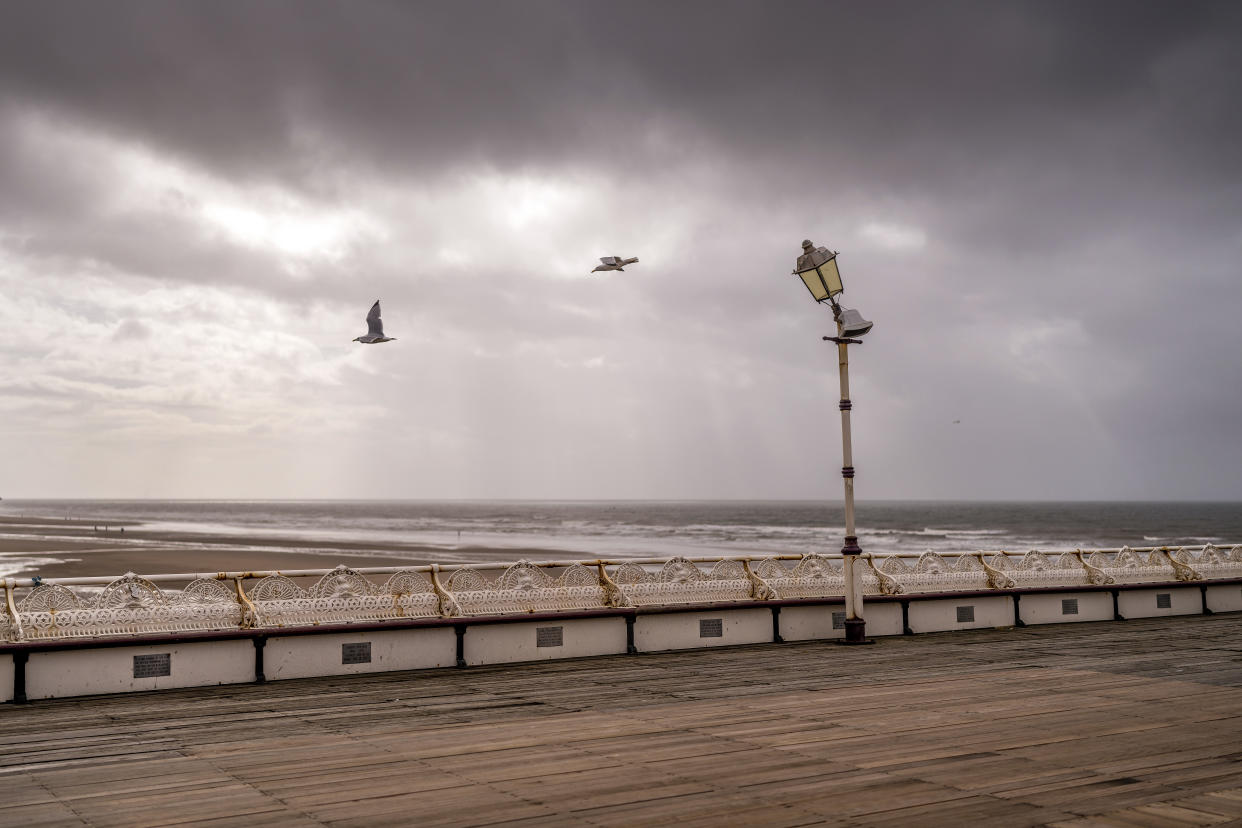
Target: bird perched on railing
(375,328)
(615,263)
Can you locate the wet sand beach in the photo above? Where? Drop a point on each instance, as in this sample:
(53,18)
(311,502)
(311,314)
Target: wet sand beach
(55,548)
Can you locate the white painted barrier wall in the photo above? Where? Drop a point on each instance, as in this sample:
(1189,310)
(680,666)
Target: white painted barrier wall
(85,671)
(119,669)
(966,613)
(1146,603)
(336,654)
(544,640)
(810,623)
(714,628)
(6,677)
(1066,607)
(1224,598)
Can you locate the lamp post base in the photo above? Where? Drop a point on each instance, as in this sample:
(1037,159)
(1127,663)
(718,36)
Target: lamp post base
(855,632)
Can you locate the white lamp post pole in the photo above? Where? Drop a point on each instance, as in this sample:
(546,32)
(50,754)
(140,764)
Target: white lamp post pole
(817,267)
(855,623)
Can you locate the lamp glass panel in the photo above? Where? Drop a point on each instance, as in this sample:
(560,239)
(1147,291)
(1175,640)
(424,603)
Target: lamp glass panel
(831,276)
(814,284)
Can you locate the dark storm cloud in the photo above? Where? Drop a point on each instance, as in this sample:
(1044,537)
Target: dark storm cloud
(1056,183)
(1067,108)
(1064,118)
(258,87)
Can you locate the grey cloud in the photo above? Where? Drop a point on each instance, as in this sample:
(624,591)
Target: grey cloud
(130,330)
(1071,166)
(256,88)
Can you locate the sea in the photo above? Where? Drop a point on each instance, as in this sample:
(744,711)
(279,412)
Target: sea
(637,529)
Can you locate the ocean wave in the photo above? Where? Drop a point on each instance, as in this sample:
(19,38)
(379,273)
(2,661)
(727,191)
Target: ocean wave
(16,563)
(617,529)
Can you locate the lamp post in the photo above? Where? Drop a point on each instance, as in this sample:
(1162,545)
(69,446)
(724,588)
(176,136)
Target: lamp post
(817,267)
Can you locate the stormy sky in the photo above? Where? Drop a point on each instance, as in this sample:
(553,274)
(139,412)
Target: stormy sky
(1039,205)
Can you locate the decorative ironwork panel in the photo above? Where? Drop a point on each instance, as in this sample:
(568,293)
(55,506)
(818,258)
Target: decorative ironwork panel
(1211,561)
(341,596)
(815,576)
(407,583)
(1129,567)
(128,606)
(934,573)
(49,598)
(1036,569)
(131,592)
(524,587)
(205,592)
(680,581)
(342,583)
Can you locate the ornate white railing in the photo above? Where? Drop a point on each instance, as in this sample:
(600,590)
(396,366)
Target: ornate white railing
(90,607)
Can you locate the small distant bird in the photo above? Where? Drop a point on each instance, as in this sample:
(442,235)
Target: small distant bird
(375,328)
(615,263)
(955,422)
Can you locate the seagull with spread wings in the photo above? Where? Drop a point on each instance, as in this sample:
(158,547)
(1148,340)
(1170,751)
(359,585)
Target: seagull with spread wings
(615,263)
(375,328)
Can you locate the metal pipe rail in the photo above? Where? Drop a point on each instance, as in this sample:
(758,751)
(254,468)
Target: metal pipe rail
(136,605)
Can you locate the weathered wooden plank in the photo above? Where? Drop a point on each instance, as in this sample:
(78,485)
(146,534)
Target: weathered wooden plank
(584,790)
(20,791)
(1225,803)
(654,747)
(856,796)
(1107,724)
(974,810)
(523,763)
(176,807)
(196,778)
(471,804)
(41,814)
(708,809)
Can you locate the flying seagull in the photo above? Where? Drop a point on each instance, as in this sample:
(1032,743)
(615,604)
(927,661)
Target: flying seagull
(615,263)
(375,328)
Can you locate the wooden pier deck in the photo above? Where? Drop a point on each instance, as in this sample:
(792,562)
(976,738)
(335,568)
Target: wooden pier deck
(1136,723)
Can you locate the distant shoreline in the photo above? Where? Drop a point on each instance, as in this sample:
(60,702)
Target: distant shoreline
(69,549)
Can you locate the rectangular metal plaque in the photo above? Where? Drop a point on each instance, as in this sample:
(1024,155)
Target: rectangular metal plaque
(966,614)
(838,620)
(549,636)
(150,666)
(1069,606)
(711,628)
(1164,600)
(357,653)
